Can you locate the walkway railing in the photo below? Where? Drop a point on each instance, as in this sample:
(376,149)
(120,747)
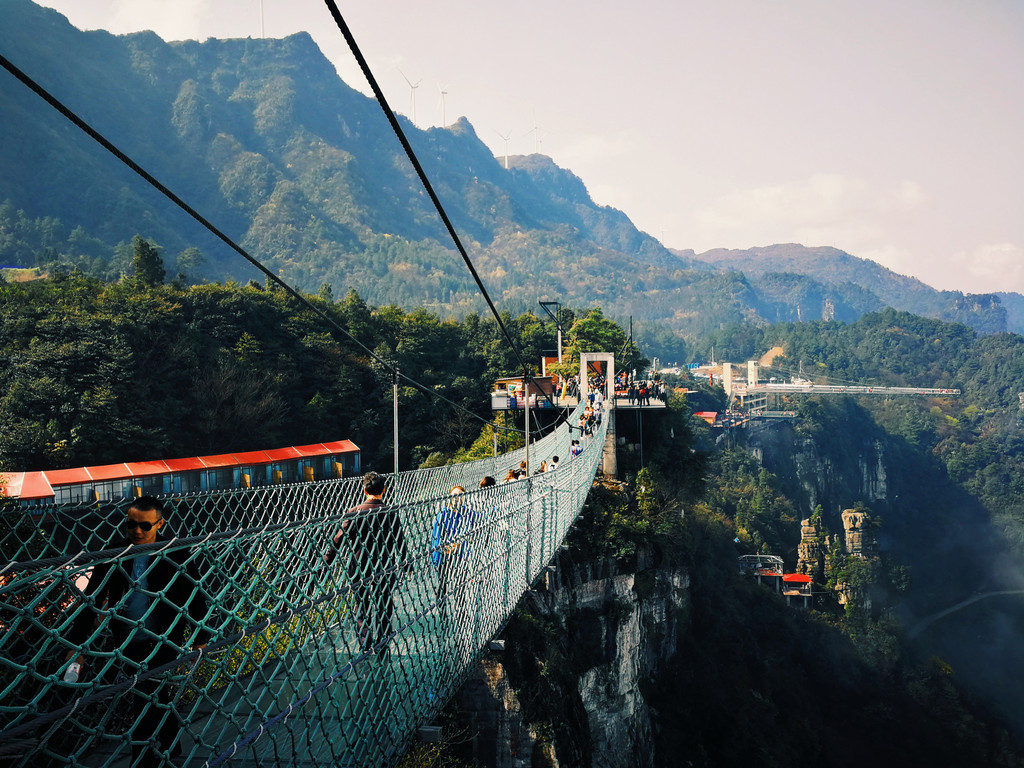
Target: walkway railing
(291,672)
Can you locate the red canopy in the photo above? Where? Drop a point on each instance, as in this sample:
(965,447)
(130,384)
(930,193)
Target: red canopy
(40,485)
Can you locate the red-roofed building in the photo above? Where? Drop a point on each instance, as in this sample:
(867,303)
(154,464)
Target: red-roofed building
(797,586)
(306,463)
(708,416)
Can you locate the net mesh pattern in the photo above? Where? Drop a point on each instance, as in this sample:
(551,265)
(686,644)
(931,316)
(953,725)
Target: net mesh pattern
(276,626)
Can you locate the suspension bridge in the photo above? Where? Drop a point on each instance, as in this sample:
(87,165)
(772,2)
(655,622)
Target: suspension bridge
(283,678)
(282,675)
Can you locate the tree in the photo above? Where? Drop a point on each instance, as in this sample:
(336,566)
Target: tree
(595,333)
(190,261)
(149,267)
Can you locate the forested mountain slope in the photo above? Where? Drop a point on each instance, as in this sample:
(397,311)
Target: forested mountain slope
(267,142)
(264,139)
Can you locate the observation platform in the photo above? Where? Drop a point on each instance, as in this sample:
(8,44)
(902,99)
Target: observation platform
(502,401)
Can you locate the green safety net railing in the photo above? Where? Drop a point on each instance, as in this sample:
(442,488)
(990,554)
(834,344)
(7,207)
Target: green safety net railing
(305,661)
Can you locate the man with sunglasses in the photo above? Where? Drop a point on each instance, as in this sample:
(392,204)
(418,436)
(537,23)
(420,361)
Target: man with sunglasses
(145,597)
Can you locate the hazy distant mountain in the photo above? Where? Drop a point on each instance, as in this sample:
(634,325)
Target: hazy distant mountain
(863,283)
(303,171)
(1013,303)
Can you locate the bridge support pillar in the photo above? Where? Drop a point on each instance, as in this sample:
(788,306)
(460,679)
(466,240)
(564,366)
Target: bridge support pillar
(609,465)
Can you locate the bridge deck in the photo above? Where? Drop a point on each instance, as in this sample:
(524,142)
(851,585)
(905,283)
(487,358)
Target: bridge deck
(851,389)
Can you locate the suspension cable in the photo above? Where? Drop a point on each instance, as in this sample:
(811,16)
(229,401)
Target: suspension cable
(153,181)
(404,141)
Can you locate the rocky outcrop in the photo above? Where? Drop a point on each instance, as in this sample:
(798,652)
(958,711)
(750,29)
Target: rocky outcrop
(811,550)
(501,736)
(622,627)
(858,534)
(875,482)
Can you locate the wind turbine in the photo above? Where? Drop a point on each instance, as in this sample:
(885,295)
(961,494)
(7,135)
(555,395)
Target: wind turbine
(443,92)
(506,138)
(263,31)
(412,95)
(536,131)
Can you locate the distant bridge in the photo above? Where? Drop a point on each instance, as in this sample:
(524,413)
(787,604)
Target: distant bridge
(850,389)
(750,397)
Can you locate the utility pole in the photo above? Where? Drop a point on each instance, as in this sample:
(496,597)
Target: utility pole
(395,395)
(526,410)
(556,316)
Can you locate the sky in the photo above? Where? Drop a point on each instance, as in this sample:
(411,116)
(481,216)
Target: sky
(890,130)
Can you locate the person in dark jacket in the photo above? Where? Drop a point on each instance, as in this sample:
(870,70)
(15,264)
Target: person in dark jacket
(152,601)
(373,543)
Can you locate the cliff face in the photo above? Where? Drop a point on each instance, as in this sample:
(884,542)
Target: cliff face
(817,475)
(654,665)
(616,631)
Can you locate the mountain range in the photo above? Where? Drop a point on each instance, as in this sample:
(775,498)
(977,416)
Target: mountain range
(304,172)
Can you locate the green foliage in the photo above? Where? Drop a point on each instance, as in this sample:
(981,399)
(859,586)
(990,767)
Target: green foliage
(96,373)
(269,645)
(593,332)
(482,447)
(747,494)
(147,264)
(619,521)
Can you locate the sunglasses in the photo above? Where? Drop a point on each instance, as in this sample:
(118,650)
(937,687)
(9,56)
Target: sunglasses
(145,525)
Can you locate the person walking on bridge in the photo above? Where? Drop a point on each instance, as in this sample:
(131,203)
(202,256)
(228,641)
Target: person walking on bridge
(452,553)
(373,543)
(150,601)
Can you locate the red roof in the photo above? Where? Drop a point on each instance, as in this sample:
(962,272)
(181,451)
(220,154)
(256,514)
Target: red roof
(109,471)
(799,578)
(68,476)
(252,457)
(221,460)
(316,449)
(184,465)
(39,485)
(341,446)
(709,416)
(146,468)
(283,454)
(25,485)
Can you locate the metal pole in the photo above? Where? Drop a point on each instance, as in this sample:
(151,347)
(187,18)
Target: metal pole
(558,326)
(557,317)
(526,410)
(395,396)
(632,361)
